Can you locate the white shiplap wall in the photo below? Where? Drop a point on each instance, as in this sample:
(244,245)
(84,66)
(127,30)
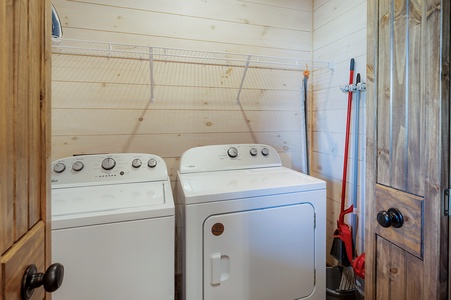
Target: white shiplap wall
(102,104)
(97,104)
(339,34)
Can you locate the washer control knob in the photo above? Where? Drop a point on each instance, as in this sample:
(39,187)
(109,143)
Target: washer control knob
(152,163)
(108,163)
(232,152)
(265,151)
(78,166)
(136,163)
(59,168)
(253,152)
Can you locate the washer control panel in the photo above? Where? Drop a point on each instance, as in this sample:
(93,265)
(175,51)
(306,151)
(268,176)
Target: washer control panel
(229,157)
(107,168)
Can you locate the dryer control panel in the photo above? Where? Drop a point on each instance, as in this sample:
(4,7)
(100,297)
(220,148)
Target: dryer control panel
(108,169)
(229,157)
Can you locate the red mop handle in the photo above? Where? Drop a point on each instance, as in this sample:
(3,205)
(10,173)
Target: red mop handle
(348,123)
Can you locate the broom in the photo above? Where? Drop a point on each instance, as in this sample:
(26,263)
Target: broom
(342,248)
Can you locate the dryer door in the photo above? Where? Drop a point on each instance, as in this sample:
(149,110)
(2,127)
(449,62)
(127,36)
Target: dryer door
(262,254)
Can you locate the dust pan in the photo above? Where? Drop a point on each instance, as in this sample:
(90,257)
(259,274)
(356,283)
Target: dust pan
(342,248)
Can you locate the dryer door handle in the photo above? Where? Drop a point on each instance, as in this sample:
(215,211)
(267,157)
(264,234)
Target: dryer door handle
(219,267)
(215,260)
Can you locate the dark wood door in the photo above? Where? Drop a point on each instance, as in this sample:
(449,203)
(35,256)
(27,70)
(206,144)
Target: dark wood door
(407,148)
(25,42)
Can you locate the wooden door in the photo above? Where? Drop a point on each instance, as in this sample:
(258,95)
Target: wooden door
(25,42)
(407,148)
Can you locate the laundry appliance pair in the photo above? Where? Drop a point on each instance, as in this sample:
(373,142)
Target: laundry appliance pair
(252,229)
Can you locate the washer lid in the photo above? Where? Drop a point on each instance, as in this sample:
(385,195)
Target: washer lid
(89,205)
(226,185)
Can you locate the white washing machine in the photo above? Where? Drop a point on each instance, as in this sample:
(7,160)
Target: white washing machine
(113,227)
(254,230)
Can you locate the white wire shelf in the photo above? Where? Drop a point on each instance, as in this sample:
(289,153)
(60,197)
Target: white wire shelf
(128,51)
(173,55)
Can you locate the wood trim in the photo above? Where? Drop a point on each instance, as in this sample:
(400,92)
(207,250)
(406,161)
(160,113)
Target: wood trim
(34,148)
(431,81)
(2,285)
(46,100)
(371,117)
(446,40)
(446,139)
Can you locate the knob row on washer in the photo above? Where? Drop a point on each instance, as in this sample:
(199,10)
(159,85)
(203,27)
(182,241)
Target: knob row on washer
(233,152)
(107,164)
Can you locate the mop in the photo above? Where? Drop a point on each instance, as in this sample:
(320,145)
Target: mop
(356,162)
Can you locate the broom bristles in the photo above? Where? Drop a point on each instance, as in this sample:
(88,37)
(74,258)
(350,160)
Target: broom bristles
(347,279)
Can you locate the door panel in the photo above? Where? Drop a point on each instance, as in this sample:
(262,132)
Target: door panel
(6,129)
(410,236)
(399,106)
(383,93)
(407,149)
(399,274)
(29,250)
(21,115)
(25,42)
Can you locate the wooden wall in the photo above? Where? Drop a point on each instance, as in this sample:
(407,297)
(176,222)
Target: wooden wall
(339,34)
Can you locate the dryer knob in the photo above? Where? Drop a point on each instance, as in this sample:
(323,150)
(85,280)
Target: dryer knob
(136,163)
(108,163)
(232,152)
(152,163)
(265,151)
(254,152)
(59,168)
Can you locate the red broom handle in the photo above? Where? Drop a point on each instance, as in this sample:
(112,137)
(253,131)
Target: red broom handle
(345,155)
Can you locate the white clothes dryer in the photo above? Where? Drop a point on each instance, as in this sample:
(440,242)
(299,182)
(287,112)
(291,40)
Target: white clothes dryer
(254,230)
(113,227)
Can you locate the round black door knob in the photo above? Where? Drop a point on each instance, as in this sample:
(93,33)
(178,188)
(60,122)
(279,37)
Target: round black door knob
(383,219)
(51,280)
(392,217)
